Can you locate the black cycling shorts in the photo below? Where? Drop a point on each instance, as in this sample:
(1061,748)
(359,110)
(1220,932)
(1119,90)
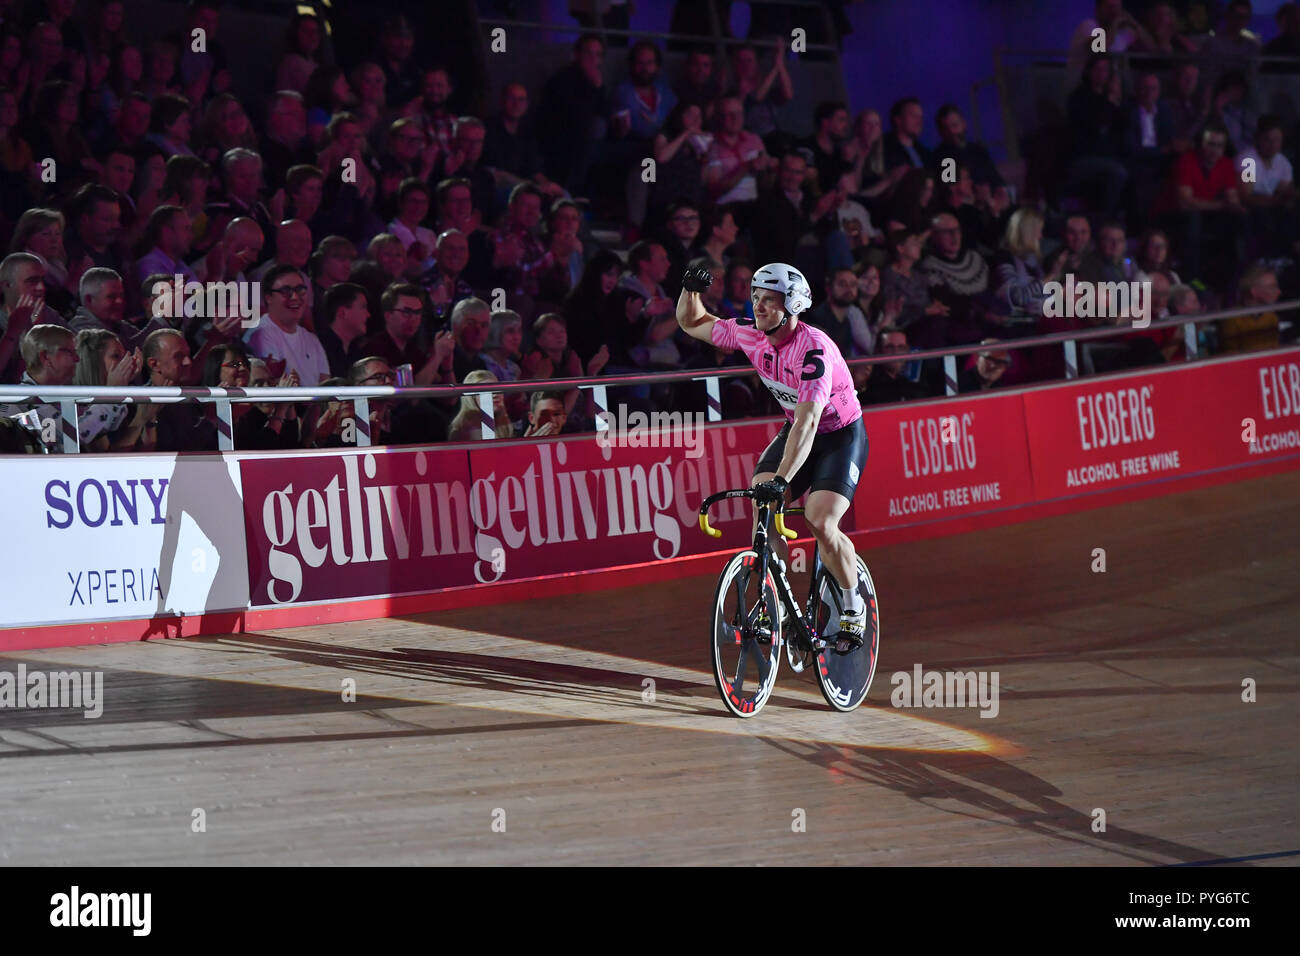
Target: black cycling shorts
(835,462)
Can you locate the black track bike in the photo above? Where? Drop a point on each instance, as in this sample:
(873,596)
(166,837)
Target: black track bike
(755,613)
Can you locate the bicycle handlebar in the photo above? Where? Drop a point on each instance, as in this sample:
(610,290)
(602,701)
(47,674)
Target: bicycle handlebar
(709,502)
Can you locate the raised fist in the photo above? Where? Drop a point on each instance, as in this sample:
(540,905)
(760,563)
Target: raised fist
(697,280)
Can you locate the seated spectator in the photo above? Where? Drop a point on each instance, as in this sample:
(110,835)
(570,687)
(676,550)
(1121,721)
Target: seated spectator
(1153,256)
(865,151)
(901,280)
(982,222)
(95,214)
(1268,189)
(470,321)
(510,145)
(680,242)
(18,182)
(712,296)
(167,237)
(467,425)
(304,188)
(103,307)
(257,425)
(647,264)
(642,102)
(279,335)
(912,206)
(1252,333)
(1183,300)
(503,353)
(1234,47)
(1187,107)
(1114,262)
(903,145)
(1076,250)
(587,304)
(546,415)
(445,283)
(339,424)
(327,97)
(551,356)
(1122,32)
(225,127)
(292,248)
(736,157)
(736,302)
(241,177)
(51,357)
(560,269)
(1229,105)
(784,213)
(719,234)
(344,327)
(284,144)
(182,426)
(383,265)
(516,249)
(839,316)
(58,137)
(1202,205)
(301,54)
(830,133)
(887,383)
(103,361)
(40,233)
(465,161)
(700,85)
(985,371)
(959,279)
(1020,273)
(1162,34)
(1096,125)
(169,125)
(433,109)
(403,311)
(412,209)
(1148,144)
(22,278)
(760,94)
(185,184)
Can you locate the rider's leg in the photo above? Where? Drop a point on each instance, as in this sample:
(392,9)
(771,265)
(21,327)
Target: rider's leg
(823,514)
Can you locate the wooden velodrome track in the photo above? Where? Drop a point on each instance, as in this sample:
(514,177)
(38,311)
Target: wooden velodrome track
(1119,691)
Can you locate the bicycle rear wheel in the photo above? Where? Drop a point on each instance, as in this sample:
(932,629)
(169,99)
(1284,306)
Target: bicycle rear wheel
(745,635)
(845,679)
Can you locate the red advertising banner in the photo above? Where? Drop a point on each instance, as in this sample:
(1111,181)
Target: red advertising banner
(393,521)
(1134,429)
(1251,409)
(331,527)
(943,460)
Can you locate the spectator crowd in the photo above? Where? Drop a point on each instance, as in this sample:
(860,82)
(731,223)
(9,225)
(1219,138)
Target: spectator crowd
(397,232)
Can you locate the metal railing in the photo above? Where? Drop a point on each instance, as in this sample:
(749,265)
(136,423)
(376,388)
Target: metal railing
(68,397)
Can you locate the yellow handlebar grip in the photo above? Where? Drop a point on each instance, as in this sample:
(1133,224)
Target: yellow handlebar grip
(707,528)
(782,529)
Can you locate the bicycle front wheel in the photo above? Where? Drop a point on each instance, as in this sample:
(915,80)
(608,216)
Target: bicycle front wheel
(845,679)
(745,635)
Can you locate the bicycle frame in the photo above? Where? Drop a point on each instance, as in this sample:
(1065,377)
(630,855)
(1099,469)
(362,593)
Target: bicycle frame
(801,618)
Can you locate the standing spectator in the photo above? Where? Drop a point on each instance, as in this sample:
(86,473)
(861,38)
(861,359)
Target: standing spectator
(1234,47)
(699,85)
(402,80)
(736,157)
(760,95)
(680,151)
(830,133)
(435,115)
(1148,144)
(510,146)
(1097,137)
(570,116)
(903,145)
(1287,41)
(866,151)
(1268,189)
(301,54)
(1202,204)
(279,336)
(1187,106)
(1121,30)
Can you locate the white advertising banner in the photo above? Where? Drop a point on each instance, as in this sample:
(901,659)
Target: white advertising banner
(119,537)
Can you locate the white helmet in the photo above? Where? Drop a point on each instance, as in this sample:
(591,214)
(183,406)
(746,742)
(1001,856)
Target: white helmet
(787,280)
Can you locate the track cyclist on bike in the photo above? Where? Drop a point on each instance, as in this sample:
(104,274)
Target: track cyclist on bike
(823,444)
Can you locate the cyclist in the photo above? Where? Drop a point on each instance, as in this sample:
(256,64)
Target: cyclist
(823,444)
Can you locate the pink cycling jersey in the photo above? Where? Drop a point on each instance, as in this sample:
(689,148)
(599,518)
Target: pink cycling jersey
(807,368)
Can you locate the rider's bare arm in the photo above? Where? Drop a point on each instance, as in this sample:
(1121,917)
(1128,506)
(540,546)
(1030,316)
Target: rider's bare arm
(693,318)
(802,433)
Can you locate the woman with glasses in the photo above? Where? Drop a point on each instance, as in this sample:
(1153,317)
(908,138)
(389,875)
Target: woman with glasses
(102,361)
(261,425)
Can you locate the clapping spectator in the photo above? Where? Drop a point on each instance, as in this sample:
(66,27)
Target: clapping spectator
(103,362)
(760,94)
(681,149)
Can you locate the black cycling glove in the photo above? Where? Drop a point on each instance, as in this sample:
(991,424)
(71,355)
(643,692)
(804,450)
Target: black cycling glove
(773,489)
(697,280)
